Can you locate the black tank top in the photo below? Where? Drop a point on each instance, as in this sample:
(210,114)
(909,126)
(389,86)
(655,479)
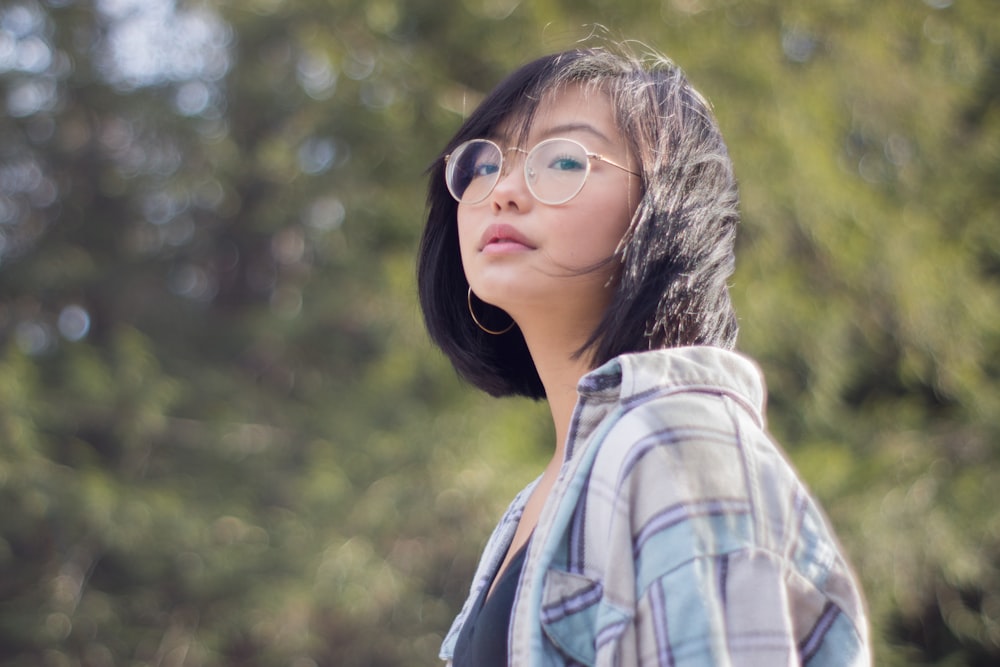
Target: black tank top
(483,639)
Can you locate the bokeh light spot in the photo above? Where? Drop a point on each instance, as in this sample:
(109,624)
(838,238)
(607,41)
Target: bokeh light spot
(74,322)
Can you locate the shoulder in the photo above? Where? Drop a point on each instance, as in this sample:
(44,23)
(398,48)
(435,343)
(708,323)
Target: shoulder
(677,469)
(692,436)
(687,458)
(695,398)
(690,503)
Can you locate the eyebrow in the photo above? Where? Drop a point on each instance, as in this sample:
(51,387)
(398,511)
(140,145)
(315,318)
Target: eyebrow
(576,127)
(557,130)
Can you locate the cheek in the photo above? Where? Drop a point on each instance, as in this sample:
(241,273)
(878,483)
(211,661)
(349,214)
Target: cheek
(612,220)
(467,241)
(463,232)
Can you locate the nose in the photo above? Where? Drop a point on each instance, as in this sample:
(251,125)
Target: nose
(511,191)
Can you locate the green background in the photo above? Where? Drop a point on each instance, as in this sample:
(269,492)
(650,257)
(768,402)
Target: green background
(224,436)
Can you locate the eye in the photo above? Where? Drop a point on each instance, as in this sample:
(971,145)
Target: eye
(484,169)
(567,163)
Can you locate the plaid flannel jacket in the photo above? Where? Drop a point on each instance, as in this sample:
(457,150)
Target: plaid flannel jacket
(677,534)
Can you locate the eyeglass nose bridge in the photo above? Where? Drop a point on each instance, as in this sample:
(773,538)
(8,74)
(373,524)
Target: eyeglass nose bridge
(506,163)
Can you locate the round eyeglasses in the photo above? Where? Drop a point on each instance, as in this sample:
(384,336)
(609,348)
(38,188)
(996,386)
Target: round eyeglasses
(555,169)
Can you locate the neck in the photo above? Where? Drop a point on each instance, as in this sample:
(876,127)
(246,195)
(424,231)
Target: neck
(560,373)
(555,327)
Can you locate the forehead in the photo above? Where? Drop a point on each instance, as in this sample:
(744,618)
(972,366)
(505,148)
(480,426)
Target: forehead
(571,110)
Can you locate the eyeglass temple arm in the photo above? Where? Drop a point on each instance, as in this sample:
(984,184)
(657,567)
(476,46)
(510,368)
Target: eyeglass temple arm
(598,156)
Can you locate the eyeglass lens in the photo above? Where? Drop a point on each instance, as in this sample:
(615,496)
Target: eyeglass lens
(555,170)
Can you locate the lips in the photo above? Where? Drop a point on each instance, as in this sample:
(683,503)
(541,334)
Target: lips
(499,237)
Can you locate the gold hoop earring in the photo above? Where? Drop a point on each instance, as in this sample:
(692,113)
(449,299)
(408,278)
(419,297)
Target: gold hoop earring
(480,324)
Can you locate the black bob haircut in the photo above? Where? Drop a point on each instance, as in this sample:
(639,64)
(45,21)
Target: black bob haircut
(677,253)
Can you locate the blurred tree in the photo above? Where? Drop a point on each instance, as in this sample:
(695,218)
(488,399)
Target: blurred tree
(224,438)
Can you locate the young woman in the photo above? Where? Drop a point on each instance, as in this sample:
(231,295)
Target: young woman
(577,247)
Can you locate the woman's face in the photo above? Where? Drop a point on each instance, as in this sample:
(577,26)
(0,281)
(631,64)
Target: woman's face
(531,258)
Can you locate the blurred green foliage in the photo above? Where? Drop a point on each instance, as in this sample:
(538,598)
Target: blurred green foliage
(224,437)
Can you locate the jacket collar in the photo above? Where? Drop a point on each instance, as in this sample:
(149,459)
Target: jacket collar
(629,378)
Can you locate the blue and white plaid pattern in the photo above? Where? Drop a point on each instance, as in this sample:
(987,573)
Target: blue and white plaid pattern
(677,533)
